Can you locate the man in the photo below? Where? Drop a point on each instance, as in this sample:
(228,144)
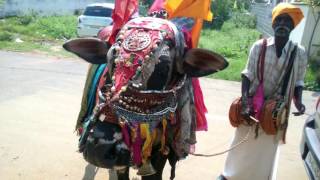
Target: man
(257,158)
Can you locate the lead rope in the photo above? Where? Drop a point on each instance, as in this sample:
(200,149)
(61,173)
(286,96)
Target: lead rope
(245,139)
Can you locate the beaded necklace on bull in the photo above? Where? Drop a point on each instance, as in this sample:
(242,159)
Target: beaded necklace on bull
(136,110)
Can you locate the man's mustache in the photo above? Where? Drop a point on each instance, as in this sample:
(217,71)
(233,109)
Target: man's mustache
(282,31)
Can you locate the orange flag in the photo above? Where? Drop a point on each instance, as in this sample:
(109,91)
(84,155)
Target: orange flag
(189,8)
(197,9)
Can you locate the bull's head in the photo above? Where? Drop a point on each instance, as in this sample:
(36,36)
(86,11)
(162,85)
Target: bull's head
(149,54)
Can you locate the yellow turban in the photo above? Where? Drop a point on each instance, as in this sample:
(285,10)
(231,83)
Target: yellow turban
(285,8)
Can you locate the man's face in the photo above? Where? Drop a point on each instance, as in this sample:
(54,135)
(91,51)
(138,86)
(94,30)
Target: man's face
(283,25)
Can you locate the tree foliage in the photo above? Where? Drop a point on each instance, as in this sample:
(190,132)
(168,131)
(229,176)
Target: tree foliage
(313,3)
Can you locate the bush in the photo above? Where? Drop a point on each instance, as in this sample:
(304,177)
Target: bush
(58,27)
(221,10)
(313,3)
(6,36)
(313,74)
(25,20)
(244,20)
(232,43)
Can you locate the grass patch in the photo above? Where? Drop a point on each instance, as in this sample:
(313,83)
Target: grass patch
(29,33)
(233,43)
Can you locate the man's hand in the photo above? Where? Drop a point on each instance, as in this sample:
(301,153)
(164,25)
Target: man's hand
(246,110)
(297,99)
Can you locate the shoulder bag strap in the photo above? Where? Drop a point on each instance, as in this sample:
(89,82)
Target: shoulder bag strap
(260,65)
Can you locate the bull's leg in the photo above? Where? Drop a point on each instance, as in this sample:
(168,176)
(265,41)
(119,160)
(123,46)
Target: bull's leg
(158,161)
(123,174)
(173,159)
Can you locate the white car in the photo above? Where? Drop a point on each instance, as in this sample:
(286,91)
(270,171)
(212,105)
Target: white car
(310,144)
(95,17)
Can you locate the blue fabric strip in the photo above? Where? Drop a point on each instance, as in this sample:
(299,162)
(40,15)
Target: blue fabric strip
(93,89)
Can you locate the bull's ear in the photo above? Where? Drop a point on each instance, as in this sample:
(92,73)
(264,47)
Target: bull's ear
(201,62)
(92,50)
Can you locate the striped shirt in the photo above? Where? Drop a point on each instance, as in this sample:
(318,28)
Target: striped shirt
(274,67)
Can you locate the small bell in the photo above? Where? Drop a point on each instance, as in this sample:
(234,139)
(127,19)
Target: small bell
(123,88)
(155,46)
(166,150)
(121,37)
(146,169)
(128,63)
(117,48)
(113,89)
(122,32)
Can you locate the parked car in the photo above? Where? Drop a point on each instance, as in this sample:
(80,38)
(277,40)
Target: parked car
(310,144)
(95,17)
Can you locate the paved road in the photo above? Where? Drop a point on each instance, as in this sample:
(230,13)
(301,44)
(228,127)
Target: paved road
(39,102)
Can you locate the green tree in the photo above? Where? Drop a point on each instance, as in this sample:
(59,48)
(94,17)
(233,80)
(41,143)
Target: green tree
(221,11)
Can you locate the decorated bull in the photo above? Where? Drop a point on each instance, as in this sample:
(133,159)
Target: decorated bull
(144,108)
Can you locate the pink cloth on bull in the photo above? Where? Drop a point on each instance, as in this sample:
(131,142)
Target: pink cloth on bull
(123,10)
(201,109)
(156,6)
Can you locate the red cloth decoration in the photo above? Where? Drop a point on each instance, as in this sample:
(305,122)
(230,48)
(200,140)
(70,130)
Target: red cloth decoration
(122,13)
(156,6)
(201,108)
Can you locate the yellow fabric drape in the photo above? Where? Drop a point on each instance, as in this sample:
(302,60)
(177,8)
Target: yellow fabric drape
(197,9)
(163,136)
(148,138)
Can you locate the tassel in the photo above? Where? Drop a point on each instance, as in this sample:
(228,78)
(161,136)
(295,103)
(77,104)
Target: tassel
(147,146)
(136,145)
(163,137)
(172,118)
(125,133)
(201,109)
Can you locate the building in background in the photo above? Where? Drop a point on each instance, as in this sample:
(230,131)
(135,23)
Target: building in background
(44,7)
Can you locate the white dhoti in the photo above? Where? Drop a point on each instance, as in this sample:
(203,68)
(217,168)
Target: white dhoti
(254,159)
